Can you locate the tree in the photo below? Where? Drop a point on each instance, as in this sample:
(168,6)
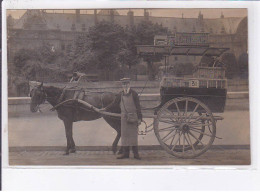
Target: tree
(146,30)
(80,55)
(144,35)
(107,42)
(47,53)
(128,55)
(40,64)
(22,56)
(243,65)
(230,61)
(107,46)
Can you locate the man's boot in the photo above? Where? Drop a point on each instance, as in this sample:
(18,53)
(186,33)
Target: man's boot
(136,154)
(125,153)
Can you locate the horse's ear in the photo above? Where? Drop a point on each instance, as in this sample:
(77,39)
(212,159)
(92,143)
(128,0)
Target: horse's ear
(40,86)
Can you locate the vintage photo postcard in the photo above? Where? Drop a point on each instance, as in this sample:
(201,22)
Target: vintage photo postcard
(114,87)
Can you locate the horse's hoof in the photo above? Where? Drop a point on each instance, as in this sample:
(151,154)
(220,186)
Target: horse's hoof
(119,152)
(66,153)
(114,149)
(73,150)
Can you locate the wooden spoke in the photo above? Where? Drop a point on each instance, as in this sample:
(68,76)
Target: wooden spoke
(168,119)
(193,112)
(173,137)
(165,121)
(167,128)
(183,141)
(200,125)
(186,109)
(167,134)
(191,124)
(197,119)
(195,137)
(169,137)
(179,112)
(196,128)
(193,149)
(172,115)
(176,141)
(201,132)
(180,138)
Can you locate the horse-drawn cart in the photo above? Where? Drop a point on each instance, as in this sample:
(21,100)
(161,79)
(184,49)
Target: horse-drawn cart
(183,122)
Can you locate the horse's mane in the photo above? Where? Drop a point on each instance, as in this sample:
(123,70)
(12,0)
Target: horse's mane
(52,90)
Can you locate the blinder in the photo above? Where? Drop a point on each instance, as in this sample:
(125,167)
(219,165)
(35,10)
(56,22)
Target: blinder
(39,95)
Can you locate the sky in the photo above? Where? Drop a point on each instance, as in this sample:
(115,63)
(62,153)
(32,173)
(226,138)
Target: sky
(187,13)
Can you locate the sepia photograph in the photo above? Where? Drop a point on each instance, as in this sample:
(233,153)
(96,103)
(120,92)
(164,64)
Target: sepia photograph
(128,87)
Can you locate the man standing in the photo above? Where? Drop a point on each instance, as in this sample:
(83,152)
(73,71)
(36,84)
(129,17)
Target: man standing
(131,117)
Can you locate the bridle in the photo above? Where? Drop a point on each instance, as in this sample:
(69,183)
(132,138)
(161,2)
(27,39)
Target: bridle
(41,98)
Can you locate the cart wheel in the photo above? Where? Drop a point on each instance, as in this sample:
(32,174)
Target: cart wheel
(185,127)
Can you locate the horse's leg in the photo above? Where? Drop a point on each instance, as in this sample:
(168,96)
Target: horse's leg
(114,145)
(68,130)
(116,124)
(72,143)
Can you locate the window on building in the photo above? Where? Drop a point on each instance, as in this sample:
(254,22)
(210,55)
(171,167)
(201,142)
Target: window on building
(68,48)
(63,47)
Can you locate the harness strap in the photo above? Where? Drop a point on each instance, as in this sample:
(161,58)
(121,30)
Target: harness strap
(62,94)
(79,94)
(102,103)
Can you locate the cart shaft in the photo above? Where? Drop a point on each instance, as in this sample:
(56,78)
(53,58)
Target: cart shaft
(145,115)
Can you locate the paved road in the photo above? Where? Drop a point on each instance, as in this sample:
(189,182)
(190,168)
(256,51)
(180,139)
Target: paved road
(149,157)
(47,130)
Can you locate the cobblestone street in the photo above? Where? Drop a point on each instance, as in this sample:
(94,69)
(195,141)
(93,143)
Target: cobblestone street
(149,157)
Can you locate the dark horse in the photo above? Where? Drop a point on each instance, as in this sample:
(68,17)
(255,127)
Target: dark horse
(74,111)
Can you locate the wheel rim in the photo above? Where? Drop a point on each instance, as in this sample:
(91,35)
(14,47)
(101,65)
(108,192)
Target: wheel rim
(185,127)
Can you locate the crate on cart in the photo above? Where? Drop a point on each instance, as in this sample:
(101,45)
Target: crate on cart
(210,72)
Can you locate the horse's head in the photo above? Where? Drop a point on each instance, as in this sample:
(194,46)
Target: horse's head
(38,97)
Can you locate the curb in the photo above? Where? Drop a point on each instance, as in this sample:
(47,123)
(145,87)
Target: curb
(109,148)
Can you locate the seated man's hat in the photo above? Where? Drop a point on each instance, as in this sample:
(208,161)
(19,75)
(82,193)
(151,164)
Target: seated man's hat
(125,80)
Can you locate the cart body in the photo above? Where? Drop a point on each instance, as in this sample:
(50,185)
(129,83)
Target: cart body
(184,124)
(208,84)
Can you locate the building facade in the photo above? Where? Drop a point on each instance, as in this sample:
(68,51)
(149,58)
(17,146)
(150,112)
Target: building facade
(59,30)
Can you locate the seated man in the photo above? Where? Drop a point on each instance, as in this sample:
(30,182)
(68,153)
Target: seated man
(75,77)
(78,93)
